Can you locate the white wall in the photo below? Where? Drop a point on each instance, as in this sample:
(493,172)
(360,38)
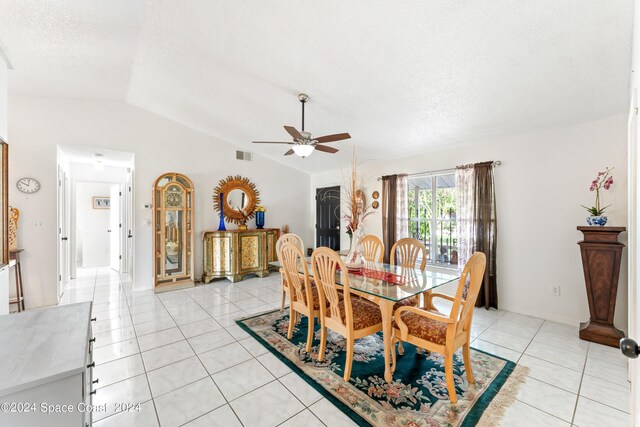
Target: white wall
(3,100)
(634,212)
(160,145)
(84,172)
(92,225)
(4,276)
(543,180)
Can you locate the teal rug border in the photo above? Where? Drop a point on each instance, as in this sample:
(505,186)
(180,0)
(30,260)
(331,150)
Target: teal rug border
(471,419)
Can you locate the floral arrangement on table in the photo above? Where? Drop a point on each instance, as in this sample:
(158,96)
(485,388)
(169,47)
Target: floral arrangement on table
(603,181)
(355,211)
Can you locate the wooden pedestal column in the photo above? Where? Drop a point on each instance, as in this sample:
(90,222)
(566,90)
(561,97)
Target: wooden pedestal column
(601,253)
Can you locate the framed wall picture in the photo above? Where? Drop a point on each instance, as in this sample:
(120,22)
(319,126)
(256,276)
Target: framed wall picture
(101,202)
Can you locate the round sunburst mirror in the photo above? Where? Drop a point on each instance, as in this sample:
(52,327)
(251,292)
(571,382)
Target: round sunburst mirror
(240,198)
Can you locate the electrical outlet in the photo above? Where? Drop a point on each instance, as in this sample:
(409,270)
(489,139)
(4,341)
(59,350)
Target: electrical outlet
(555,290)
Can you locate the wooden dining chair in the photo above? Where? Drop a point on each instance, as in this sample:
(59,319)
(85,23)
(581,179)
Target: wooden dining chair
(295,239)
(353,318)
(408,250)
(444,334)
(303,294)
(372,248)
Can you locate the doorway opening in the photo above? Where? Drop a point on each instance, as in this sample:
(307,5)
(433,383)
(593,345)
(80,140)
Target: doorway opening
(328,217)
(95,219)
(95,211)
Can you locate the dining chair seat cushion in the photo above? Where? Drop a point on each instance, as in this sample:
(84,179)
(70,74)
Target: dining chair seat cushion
(365,313)
(409,302)
(424,327)
(314,295)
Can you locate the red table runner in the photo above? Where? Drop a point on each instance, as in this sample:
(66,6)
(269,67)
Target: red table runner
(396,279)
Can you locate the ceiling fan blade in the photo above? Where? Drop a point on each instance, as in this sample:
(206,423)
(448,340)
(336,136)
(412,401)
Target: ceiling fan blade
(293,132)
(326,149)
(288,153)
(271,142)
(332,138)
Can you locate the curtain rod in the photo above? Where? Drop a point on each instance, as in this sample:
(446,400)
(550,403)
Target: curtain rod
(441,171)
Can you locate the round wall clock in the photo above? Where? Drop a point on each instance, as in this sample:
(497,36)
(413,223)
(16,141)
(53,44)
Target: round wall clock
(28,185)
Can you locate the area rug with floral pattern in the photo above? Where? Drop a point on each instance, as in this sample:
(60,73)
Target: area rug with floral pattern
(418,394)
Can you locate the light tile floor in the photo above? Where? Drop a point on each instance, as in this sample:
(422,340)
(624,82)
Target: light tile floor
(181,355)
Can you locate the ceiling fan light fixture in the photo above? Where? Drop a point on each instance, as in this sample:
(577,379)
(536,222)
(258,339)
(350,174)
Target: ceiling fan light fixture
(303,150)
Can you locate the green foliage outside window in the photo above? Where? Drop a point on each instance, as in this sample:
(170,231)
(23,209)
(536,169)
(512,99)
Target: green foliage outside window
(422,222)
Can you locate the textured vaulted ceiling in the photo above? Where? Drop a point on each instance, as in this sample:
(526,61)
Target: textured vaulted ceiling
(401,77)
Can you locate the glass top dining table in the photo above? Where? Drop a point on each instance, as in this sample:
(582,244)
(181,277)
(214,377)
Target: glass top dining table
(400,284)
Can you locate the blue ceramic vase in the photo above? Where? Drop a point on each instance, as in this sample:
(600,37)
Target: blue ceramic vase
(597,221)
(259,219)
(221,227)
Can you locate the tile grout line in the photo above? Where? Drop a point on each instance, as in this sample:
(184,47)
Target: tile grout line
(604,404)
(581,372)
(540,409)
(121,289)
(202,364)
(575,408)
(276,379)
(296,414)
(155,409)
(545,412)
(530,341)
(577,394)
(521,355)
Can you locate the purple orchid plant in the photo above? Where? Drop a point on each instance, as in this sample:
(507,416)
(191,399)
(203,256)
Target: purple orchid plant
(604,180)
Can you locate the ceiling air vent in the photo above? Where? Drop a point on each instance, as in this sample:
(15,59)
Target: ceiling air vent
(243,155)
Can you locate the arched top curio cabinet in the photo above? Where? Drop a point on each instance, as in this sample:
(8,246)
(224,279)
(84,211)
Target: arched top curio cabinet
(173,232)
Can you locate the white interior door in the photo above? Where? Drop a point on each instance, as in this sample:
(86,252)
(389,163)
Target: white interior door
(127,235)
(63,231)
(115,229)
(66,275)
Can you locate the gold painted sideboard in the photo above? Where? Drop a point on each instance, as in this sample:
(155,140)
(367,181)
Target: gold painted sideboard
(236,253)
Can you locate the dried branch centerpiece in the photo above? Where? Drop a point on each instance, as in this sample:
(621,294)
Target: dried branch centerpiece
(356,212)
